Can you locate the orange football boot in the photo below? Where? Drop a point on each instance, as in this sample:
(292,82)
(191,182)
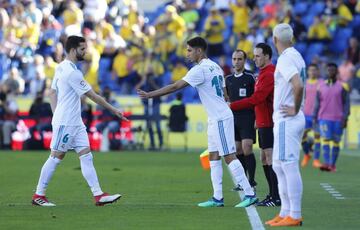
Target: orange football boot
(276,219)
(316,163)
(288,221)
(305,160)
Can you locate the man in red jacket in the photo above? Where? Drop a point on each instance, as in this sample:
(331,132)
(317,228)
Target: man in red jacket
(262,100)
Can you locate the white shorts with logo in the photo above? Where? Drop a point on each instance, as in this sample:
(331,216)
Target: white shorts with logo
(221,136)
(69,137)
(287,138)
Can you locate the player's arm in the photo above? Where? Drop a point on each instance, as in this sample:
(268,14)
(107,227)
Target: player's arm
(298,88)
(102,102)
(53,99)
(164,90)
(346,103)
(264,89)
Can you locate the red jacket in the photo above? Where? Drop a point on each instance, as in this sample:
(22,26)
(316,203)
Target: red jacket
(262,99)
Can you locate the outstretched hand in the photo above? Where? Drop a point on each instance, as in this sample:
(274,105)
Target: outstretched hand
(143,94)
(287,111)
(120,115)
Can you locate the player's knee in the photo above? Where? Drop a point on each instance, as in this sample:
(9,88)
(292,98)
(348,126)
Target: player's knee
(229,158)
(247,148)
(84,151)
(59,155)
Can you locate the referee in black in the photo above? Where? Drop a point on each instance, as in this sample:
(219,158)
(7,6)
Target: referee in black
(241,85)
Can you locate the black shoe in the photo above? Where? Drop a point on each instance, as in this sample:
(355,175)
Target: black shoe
(269,202)
(262,203)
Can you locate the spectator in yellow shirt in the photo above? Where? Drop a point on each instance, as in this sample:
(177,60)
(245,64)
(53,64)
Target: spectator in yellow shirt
(245,45)
(179,71)
(240,16)
(175,24)
(73,14)
(121,69)
(214,27)
(318,31)
(91,67)
(344,14)
(49,67)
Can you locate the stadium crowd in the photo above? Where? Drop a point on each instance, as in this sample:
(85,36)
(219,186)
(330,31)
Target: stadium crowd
(128,48)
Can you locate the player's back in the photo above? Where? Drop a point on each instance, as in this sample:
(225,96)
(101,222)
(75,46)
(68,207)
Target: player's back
(289,63)
(69,85)
(211,89)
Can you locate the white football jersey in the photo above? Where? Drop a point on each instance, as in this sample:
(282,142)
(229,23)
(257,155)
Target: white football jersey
(208,79)
(290,62)
(70,85)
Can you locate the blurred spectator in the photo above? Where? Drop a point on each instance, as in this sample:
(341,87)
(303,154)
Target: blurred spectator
(73,15)
(121,70)
(14,83)
(91,65)
(224,66)
(36,76)
(109,122)
(298,27)
(179,71)
(151,81)
(41,112)
(343,13)
(10,109)
(59,53)
(96,8)
(214,27)
(175,24)
(346,71)
(245,45)
(190,15)
(240,16)
(318,31)
(255,36)
(353,52)
(49,67)
(125,30)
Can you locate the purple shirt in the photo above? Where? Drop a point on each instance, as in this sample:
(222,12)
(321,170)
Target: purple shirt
(310,95)
(331,102)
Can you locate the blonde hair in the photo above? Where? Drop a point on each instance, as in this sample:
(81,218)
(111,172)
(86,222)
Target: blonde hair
(283,32)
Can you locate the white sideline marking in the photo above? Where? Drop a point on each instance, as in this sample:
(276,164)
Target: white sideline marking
(332,191)
(255,221)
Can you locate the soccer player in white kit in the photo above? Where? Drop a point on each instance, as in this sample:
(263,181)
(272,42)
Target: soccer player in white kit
(289,125)
(208,78)
(69,131)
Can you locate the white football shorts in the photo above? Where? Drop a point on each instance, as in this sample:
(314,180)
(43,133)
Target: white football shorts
(69,137)
(287,138)
(221,136)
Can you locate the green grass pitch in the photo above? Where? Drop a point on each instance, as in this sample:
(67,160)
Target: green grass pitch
(160,191)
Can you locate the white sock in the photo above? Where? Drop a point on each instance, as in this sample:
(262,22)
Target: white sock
(238,173)
(89,173)
(46,173)
(216,178)
(294,187)
(283,192)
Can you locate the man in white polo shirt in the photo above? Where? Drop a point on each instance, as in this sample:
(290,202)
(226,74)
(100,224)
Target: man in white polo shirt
(289,125)
(69,131)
